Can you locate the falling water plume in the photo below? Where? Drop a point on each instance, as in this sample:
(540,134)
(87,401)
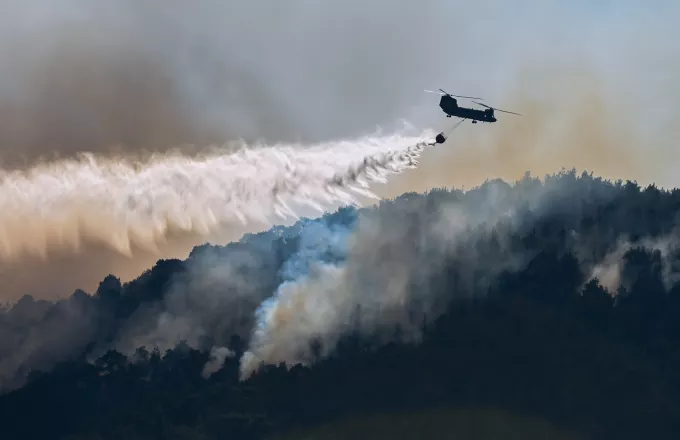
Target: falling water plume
(121,202)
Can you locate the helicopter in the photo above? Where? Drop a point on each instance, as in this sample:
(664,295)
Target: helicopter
(450,106)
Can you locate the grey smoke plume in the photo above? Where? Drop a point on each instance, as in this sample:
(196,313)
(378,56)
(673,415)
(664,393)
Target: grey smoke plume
(608,271)
(150,75)
(145,76)
(217,357)
(141,202)
(385,262)
(156,75)
(133,78)
(292,292)
(388,268)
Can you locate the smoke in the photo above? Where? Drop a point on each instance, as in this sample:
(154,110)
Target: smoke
(292,292)
(154,75)
(154,82)
(571,119)
(384,272)
(578,87)
(610,269)
(138,203)
(368,272)
(217,357)
(135,78)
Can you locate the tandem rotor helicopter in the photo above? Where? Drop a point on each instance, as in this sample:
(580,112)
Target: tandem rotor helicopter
(450,106)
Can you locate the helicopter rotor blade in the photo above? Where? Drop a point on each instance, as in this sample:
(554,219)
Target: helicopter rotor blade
(505,111)
(497,109)
(468,97)
(438,93)
(461,96)
(479,103)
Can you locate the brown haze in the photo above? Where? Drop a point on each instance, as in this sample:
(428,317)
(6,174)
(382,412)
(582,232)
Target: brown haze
(63,271)
(573,123)
(84,101)
(91,88)
(81,100)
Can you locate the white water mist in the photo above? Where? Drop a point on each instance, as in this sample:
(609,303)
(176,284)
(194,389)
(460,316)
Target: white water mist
(120,202)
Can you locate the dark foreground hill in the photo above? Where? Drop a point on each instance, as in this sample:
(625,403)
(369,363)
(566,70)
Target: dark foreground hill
(540,310)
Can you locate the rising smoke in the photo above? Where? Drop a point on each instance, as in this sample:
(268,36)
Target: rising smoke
(366,271)
(136,78)
(275,300)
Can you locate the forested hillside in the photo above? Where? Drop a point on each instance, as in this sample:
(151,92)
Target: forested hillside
(555,298)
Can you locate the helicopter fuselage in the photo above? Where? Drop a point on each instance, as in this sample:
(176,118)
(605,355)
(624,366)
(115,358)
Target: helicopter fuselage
(450,106)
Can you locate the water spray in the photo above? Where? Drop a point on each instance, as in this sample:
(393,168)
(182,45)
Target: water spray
(119,202)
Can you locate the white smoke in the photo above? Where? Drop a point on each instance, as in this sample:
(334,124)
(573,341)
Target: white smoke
(383,266)
(217,357)
(609,270)
(122,202)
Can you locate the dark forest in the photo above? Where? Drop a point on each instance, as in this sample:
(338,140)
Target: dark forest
(556,299)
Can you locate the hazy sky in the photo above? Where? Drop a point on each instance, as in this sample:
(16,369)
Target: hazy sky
(171,72)
(597,83)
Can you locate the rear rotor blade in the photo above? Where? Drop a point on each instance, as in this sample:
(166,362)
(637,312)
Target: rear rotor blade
(505,111)
(497,109)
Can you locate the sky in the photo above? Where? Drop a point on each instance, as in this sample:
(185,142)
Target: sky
(596,83)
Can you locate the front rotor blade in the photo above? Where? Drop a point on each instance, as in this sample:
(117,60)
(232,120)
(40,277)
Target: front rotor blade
(483,105)
(457,96)
(468,97)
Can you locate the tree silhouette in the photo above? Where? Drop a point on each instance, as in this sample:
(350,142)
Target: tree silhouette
(517,321)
